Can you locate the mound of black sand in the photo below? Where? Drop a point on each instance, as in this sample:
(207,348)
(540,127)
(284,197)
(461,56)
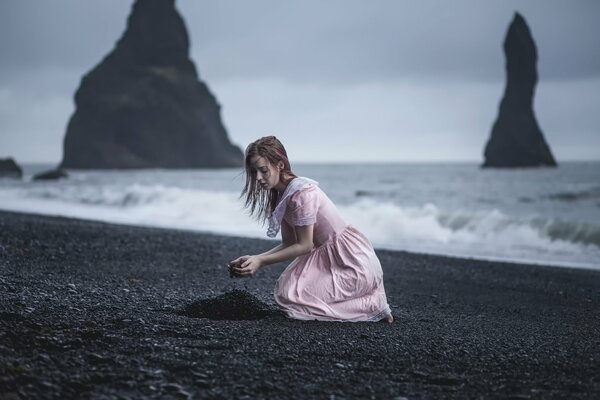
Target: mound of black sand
(233,305)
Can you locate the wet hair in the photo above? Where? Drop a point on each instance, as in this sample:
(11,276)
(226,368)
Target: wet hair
(260,202)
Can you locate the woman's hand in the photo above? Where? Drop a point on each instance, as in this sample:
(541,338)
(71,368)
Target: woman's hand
(238,261)
(235,265)
(248,265)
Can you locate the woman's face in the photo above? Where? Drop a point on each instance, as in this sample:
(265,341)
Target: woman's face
(266,174)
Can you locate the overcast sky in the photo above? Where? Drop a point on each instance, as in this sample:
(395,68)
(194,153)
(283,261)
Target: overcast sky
(336,80)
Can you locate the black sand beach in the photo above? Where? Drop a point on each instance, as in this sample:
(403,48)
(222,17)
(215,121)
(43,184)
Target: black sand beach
(93,310)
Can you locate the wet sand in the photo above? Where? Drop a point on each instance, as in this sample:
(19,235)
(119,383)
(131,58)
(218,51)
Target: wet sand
(94,310)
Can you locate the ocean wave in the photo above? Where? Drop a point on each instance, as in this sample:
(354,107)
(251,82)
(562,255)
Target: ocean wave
(380,194)
(487,233)
(572,196)
(431,222)
(151,205)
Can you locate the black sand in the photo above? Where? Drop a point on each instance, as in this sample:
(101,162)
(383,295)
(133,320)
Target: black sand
(92,310)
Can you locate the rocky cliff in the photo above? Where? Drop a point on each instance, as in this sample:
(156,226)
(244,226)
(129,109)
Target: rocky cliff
(10,169)
(144,106)
(516,139)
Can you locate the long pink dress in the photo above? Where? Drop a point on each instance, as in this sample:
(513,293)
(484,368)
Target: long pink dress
(341,278)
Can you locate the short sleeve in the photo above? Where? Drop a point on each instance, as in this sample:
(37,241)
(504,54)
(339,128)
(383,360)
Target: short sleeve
(303,206)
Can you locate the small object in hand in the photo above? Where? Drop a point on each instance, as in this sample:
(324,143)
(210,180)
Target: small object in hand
(232,272)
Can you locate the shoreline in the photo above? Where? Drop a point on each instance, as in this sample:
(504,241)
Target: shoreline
(91,309)
(514,261)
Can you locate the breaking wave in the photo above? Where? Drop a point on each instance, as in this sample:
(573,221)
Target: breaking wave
(468,233)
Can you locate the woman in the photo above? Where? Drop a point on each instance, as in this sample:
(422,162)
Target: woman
(335,275)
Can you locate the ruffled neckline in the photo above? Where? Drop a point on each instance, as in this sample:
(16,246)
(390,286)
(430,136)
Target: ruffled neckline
(276,216)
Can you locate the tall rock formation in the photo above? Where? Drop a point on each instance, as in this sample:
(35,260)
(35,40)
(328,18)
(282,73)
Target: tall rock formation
(10,169)
(144,106)
(516,139)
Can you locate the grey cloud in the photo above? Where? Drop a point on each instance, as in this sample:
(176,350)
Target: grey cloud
(357,41)
(337,41)
(63,33)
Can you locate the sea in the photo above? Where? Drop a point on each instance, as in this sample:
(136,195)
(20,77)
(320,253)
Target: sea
(548,216)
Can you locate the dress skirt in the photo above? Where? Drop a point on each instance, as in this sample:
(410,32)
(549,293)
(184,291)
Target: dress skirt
(341,280)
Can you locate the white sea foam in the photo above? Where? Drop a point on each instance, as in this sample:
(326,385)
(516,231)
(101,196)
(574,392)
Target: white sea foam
(489,234)
(480,234)
(149,205)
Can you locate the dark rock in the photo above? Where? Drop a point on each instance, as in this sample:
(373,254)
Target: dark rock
(516,139)
(96,358)
(144,106)
(10,169)
(10,316)
(53,174)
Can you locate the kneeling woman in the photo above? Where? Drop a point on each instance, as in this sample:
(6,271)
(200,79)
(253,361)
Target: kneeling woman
(335,274)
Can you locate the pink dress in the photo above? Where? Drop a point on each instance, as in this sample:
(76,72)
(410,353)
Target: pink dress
(341,278)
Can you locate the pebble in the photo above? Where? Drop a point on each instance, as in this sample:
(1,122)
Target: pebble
(479,342)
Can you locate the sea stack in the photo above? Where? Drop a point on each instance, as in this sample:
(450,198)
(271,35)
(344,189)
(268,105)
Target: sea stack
(516,139)
(10,169)
(51,175)
(143,105)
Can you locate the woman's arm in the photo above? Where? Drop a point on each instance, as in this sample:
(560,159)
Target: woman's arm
(288,236)
(302,245)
